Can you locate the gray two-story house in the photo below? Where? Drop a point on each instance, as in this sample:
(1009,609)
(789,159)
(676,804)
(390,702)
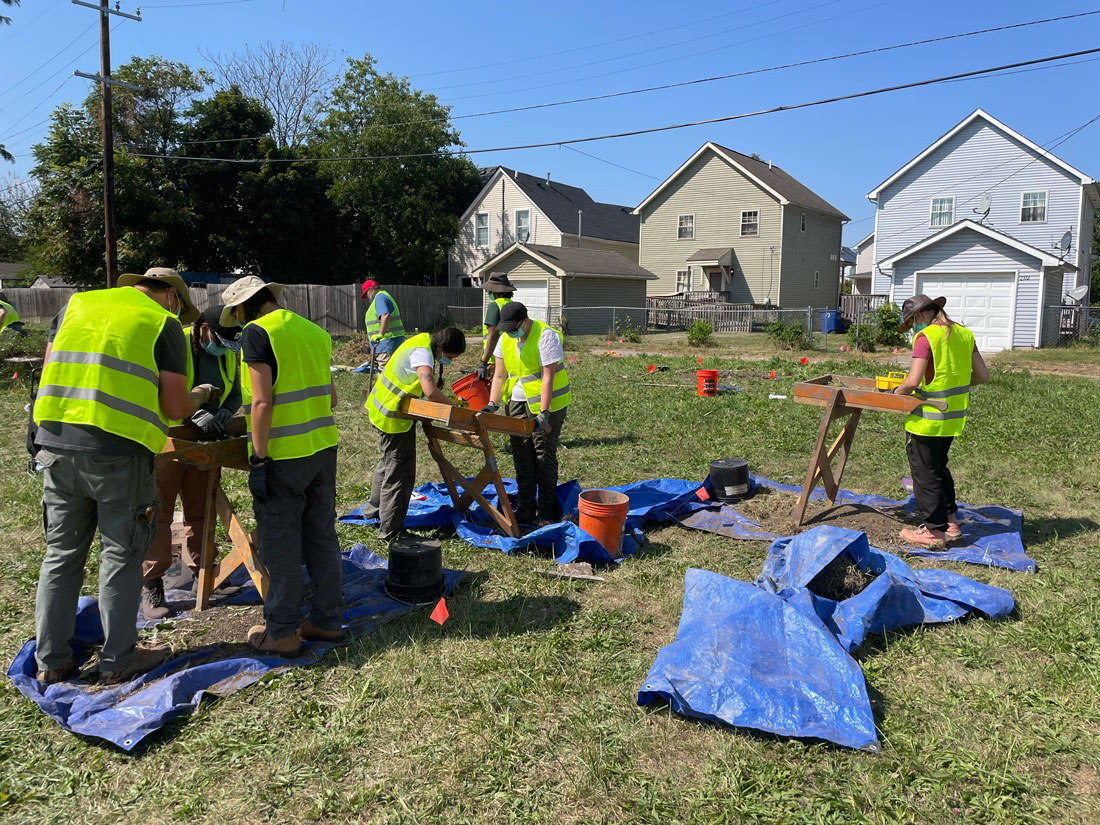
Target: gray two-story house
(992,221)
(731,227)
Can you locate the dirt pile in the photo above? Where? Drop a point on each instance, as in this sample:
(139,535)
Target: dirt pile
(772,511)
(840,580)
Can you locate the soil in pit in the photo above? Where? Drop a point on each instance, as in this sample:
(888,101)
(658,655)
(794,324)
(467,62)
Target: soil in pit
(840,580)
(772,511)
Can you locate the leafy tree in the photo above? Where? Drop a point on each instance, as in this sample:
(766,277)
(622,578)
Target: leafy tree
(6,21)
(16,195)
(406,208)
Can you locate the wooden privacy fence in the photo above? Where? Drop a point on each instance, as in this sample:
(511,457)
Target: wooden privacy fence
(337,309)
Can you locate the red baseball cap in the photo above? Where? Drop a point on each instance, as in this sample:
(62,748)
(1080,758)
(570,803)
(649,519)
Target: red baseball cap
(368,285)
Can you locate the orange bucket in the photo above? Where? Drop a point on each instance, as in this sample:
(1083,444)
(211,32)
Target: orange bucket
(603,516)
(472,390)
(706,382)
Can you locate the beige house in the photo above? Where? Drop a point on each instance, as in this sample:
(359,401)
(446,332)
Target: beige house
(865,265)
(516,207)
(728,227)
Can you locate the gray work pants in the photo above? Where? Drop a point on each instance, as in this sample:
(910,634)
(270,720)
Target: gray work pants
(536,462)
(394,477)
(296,525)
(82,491)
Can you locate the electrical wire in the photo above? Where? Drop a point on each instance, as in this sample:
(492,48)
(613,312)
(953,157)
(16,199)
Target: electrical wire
(61,51)
(643,131)
(19,30)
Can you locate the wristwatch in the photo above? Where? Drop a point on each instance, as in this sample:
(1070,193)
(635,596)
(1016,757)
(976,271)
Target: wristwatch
(254,459)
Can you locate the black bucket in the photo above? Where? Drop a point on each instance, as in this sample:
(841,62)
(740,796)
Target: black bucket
(730,479)
(415,571)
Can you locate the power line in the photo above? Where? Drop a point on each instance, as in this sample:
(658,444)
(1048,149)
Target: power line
(30,22)
(44,102)
(649,130)
(701,80)
(44,65)
(193,5)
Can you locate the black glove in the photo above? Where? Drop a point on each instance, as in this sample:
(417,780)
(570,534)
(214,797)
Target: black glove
(221,419)
(542,422)
(257,477)
(204,421)
(490,408)
(482,371)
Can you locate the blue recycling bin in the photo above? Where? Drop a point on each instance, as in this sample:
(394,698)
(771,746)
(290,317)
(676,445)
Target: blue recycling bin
(830,320)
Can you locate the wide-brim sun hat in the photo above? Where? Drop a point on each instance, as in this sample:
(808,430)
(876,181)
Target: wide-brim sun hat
(918,303)
(240,291)
(190,313)
(498,282)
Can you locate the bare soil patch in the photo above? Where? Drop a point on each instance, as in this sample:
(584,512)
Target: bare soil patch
(840,580)
(225,627)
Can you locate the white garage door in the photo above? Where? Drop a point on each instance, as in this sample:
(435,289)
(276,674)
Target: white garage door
(980,301)
(532,294)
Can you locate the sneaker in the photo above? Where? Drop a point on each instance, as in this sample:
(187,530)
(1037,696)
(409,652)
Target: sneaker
(153,604)
(953,530)
(144,660)
(264,642)
(52,677)
(525,516)
(317,634)
(923,537)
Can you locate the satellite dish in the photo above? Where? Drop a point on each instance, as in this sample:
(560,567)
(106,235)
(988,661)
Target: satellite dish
(984,207)
(1066,242)
(1077,294)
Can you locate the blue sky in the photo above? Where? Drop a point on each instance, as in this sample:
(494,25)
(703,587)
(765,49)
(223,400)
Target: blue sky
(529,53)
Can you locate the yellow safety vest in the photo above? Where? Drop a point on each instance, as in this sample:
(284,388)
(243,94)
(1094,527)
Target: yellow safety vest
(10,315)
(951,359)
(394,329)
(227,366)
(388,390)
(524,366)
(101,371)
(301,408)
(488,356)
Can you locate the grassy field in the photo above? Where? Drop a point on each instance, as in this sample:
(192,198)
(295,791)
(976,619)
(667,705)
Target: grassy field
(521,707)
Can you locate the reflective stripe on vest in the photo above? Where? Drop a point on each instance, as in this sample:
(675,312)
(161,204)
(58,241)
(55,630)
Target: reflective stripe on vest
(394,329)
(101,371)
(951,360)
(10,315)
(524,366)
(301,399)
(227,367)
(385,397)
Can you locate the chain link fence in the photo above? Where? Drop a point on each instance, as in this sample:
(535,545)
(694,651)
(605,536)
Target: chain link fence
(1077,323)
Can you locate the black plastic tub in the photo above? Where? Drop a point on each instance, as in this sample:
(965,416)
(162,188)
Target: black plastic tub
(730,479)
(415,571)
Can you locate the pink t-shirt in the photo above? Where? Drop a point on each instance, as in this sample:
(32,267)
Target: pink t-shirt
(922,349)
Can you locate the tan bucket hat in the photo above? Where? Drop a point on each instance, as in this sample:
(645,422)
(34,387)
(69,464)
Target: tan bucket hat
(240,291)
(190,312)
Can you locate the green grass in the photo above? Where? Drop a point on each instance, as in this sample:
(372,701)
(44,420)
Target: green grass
(521,707)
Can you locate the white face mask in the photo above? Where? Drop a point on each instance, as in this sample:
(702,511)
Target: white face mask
(178,311)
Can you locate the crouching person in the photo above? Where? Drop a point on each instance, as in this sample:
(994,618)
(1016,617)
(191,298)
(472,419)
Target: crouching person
(289,397)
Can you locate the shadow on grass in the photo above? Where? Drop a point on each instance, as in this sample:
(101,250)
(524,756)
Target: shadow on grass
(603,441)
(1044,529)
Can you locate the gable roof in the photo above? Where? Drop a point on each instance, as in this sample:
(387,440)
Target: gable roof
(992,121)
(1046,258)
(768,176)
(567,260)
(560,202)
(862,242)
(12,271)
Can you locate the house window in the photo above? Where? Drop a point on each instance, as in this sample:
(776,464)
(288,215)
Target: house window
(1033,207)
(685,228)
(803,221)
(523,225)
(683,280)
(750,223)
(817,279)
(481,226)
(943,211)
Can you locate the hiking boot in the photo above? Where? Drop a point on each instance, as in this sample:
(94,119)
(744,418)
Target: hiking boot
(317,634)
(953,530)
(923,537)
(525,516)
(153,604)
(264,642)
(145,659)
(52,677)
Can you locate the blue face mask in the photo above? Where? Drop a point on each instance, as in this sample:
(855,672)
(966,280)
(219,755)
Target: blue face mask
(918,327)
(443,359)
(214,349)
(516,334)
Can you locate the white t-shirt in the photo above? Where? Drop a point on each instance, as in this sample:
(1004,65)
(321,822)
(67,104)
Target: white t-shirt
(550,352)
(405,363)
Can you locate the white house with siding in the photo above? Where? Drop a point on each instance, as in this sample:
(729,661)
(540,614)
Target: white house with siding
(992,221)
(514,207)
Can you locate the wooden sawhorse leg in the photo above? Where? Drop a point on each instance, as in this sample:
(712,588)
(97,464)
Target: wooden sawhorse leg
(822,459)
(213,573)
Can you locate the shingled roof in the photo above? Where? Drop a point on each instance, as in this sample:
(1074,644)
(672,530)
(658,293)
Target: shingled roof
(560,202)
(568,260)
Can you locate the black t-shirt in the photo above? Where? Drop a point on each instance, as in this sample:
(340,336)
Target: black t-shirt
(256,349)
(170,355)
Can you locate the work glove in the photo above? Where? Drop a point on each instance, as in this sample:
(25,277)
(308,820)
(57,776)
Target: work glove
(482,371)
(221,419)
(490,408)
(257,478)
(204,421)
(211,394)
(376,338)
(542,422)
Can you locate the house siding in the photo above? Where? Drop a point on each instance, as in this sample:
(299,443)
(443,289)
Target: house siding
(716,194)
(504,196)
(1051,313)
(587,299)
(1084,250)
(816,249)
(969,251)
(627,250)
(865,260)
(523,271)
(976,160)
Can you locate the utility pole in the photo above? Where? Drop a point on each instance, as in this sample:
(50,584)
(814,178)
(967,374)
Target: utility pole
(106,130)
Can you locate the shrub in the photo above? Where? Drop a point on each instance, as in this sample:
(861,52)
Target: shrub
(625,329)
(887,318)
(699,332)
(863,337)
(788,336)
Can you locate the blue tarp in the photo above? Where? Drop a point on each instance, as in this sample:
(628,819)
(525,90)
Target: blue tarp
(126,714)
(775,657)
